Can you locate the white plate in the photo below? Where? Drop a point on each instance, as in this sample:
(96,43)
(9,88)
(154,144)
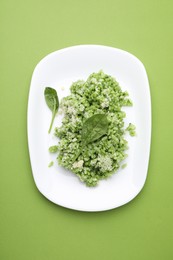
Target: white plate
(59,69)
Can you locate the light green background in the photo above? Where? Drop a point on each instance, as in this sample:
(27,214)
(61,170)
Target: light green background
(31,227)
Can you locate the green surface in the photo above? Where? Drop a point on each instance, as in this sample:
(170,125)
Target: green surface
(31,227)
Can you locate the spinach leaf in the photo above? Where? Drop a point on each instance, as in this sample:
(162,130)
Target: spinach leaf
(93,128)
(52,101)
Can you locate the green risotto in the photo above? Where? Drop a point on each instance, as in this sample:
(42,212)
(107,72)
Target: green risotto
(91,137)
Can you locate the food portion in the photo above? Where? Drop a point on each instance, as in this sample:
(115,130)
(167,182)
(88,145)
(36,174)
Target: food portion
(91,138)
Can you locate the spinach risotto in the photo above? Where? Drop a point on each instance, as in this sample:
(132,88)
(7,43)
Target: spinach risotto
(91,137)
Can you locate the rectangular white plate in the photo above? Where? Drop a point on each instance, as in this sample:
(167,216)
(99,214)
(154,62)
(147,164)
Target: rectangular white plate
(59,69)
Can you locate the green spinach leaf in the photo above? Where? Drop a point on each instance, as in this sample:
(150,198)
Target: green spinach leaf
(93,128)
(52,101)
